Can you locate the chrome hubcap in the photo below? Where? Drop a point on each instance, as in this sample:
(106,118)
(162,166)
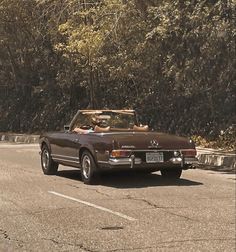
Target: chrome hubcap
(86,166)
(45,159)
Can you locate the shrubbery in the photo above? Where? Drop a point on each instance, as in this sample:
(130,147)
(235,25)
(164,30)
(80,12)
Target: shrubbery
(172,60)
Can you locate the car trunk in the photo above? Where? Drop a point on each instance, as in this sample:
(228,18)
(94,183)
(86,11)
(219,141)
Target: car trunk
(149,140)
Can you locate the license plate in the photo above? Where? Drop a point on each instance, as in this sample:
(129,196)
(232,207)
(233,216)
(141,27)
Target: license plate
(154,157)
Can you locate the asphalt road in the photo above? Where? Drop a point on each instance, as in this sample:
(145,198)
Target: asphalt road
(127,212)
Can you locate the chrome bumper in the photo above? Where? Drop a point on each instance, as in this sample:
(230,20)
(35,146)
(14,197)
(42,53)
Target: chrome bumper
(184,161)
(176,160)
(190,161)
(131,161)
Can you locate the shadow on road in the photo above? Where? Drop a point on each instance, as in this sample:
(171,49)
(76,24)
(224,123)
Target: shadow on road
(135,180)
(70,174)
(130,179)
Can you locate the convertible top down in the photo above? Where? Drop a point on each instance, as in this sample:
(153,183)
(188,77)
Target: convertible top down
(101,140)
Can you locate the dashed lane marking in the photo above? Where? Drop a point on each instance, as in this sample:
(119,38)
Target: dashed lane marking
(94,206)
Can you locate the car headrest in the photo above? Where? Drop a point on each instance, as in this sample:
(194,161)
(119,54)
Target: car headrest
(141,128)
(100,129)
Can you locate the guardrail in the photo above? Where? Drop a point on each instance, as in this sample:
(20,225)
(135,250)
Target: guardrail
(19,138)
(218,158)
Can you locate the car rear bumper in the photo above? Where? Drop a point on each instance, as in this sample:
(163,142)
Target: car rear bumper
(190,161)
(133,162)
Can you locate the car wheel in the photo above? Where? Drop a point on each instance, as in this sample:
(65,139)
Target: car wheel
(171,173)
(49,167)
(89,171)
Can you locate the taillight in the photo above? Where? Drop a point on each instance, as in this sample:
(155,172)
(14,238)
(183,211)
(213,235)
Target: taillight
(120,153)
(189,153)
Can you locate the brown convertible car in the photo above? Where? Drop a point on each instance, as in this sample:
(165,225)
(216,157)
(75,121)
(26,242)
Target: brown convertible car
(101,140)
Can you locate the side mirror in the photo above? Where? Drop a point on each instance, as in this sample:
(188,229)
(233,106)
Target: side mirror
(66,127)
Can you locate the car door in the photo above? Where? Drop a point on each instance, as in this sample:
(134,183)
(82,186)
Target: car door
(65,148)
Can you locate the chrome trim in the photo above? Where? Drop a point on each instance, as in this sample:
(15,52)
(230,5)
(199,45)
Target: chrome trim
(103,162)
(176,160)
(127,147)
(154,147)
(132,157)
(124,161)
(121,133)
(191,160)
(66,160)
(154,143)
(63,156)
(148,150)
(86,166)
(45,159)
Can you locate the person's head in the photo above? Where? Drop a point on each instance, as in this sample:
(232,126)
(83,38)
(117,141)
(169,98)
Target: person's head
(99,121)
(96,120)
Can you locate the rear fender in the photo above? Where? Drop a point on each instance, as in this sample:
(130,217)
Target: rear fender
(89,148)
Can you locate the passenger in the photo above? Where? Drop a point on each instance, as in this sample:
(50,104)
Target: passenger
(82,131)
(101,129)
(141,128)
(97,125)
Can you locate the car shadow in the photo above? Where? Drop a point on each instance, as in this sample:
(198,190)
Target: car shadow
(135,180)
(124,180)
(70,174)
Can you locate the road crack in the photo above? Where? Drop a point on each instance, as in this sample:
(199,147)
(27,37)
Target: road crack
(145,201)
(163,208)
(172,242)
(90,189)
(81,246)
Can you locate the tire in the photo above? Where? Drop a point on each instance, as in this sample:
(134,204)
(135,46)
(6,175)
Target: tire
(89,172)
(49,167)
(174,173)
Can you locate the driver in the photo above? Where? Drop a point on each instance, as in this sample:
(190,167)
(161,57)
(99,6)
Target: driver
(82,131)
(100,121)
(97,123)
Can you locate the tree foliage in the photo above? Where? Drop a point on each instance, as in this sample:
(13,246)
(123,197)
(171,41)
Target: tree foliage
(172,60)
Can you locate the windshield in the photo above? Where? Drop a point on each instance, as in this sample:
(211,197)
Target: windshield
(112,119)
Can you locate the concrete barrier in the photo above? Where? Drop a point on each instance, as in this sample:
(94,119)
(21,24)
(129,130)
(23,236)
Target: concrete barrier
(217,158)
(19,138)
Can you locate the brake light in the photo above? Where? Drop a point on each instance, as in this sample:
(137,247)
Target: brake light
(189,153)
(120,153)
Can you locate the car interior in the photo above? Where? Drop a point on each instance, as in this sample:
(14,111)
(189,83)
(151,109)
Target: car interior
(100,122)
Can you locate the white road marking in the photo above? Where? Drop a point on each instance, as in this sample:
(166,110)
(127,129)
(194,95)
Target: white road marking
(93,205)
